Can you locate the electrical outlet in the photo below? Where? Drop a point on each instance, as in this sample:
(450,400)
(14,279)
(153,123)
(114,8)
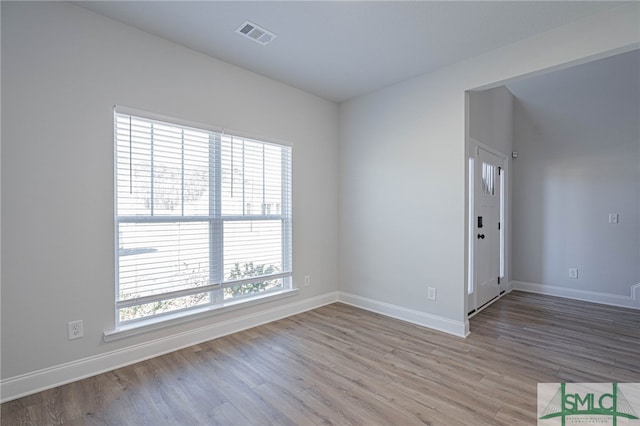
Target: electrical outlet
(431,293)
(75,329)
(573,273)
(613,217)
(307,280)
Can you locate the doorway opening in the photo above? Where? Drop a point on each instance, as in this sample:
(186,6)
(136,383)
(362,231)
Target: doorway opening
(486,228)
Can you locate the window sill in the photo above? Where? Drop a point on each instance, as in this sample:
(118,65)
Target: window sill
(152,324)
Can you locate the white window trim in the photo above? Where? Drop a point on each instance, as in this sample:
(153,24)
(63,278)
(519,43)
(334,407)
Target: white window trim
(171,319)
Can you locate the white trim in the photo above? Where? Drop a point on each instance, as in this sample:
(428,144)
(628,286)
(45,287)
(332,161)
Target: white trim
(471,227)
(151,324)
(29,383)
(632,301)
(474,142)
(457,328)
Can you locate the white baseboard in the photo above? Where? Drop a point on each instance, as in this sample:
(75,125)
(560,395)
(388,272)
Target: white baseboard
(457,328)
(632,301)
(29,383)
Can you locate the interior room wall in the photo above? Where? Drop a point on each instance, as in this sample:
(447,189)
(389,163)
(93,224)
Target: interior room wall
(578,140)
(63,69)
(403,171)
(491,118)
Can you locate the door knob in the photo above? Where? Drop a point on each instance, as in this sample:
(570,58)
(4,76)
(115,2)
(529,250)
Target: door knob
(481,236)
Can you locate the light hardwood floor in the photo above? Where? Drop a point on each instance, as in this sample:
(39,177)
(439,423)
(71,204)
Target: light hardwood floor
(342,365)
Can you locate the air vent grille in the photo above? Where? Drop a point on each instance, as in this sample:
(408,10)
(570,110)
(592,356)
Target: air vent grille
(256,33)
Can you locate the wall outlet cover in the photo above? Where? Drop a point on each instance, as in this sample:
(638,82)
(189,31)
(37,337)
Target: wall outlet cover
(573,273)
(75,329)
(431,293)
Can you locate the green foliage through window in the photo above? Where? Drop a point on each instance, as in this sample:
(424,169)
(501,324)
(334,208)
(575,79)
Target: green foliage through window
(249,270)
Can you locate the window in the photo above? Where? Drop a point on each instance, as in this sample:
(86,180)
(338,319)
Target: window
(202,218)
(488,178)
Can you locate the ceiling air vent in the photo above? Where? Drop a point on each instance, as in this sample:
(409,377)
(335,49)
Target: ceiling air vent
(256,33)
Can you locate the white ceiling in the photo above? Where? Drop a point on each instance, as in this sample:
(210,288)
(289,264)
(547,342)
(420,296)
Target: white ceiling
(342,49)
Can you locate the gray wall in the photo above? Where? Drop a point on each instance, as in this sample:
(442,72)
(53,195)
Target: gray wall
(491,118)
(63,69)
(578,137)
(403,210)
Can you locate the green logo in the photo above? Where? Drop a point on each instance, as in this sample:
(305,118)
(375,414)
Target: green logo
(589,402)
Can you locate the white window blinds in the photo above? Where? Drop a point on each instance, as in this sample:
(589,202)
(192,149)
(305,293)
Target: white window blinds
(202,217)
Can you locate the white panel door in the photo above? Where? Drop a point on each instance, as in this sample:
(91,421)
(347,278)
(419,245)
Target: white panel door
(487,227)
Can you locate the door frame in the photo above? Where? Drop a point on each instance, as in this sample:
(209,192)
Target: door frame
(473,146)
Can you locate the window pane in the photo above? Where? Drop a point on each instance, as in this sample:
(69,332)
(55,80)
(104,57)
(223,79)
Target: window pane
(251,177)
(155,258)
(252,288)
(232,176)
(166,168)
(197,151)
(163,306)
(273,179)
(252,248)
(133,166)
(488,178)
(161,169)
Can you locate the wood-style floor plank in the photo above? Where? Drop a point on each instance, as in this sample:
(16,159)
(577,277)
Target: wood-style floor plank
(342,365)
